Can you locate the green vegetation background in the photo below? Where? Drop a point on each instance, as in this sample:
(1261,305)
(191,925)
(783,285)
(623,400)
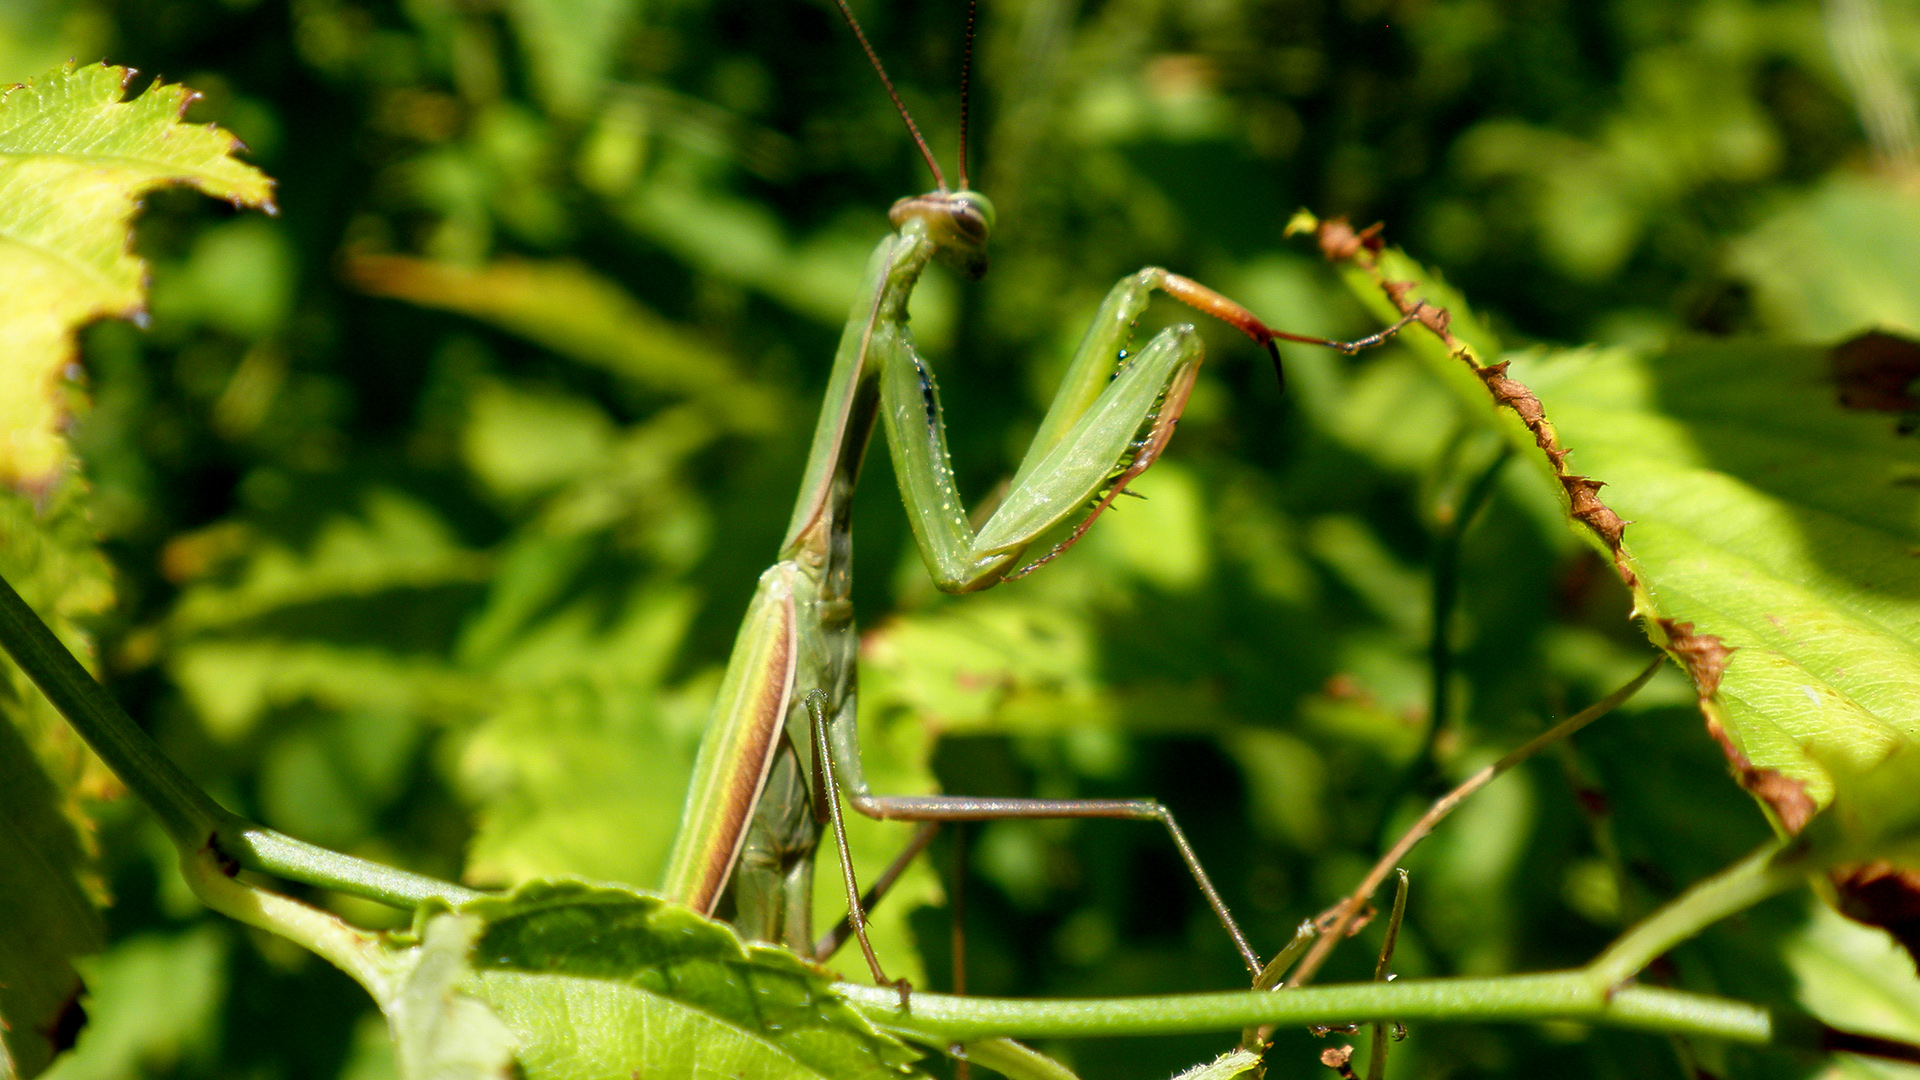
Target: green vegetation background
(436,562)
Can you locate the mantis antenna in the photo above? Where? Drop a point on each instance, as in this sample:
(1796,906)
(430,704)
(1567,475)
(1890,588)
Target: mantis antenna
(939,179)
(966,70)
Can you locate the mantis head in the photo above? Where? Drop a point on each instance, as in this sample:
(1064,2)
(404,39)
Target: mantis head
(958,222)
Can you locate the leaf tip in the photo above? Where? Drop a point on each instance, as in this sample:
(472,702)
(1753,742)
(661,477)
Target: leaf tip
(1340,243)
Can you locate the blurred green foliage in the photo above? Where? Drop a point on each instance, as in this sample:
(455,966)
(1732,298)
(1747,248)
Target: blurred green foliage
(434,501)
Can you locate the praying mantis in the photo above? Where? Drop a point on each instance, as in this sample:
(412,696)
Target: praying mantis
(781,748)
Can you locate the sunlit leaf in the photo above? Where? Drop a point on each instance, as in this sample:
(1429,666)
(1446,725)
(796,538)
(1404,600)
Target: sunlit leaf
(153,1003)
(601,983)
(1840,260)
(1767,515)
(1765,527)
(47,919)
(74,161)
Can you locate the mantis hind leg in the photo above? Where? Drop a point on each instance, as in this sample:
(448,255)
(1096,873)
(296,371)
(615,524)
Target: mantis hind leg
(941,808)
(831,941)
(838,764)
(829,792)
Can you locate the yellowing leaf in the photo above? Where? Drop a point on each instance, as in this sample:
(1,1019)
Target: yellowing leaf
(74,161)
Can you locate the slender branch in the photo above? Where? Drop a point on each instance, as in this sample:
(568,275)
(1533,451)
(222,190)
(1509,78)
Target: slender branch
(191,817)
(1377,1058)
(1772,869)
(1569,995)
(354,951)
(1343,914)
(188,814)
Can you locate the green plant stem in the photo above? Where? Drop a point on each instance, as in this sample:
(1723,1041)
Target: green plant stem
(354,951)
(1446,597)
(193,820)
(189,814)
(1774,868)
(1009,1058)
(1377,1058)
(1569,995)
(256,847)
(1600,993)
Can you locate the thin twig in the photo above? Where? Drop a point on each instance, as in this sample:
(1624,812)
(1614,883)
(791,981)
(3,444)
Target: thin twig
(1377,1059)
(1341,916)
(1446,595)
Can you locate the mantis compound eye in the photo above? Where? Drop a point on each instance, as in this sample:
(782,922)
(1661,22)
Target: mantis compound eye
(957,222)
(972,216)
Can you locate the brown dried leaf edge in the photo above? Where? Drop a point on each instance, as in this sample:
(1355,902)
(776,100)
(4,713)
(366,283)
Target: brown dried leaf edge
(1704,656)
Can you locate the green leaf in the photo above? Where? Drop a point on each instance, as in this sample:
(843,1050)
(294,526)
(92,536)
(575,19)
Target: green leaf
(74,161)
(1843,257)
(1766,528)
(153,1005)
(440,1033)
(1765,514)
(46,917)
(586,1029)
(1853,977)
(598,982)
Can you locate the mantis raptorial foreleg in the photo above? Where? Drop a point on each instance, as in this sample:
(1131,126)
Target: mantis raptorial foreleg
(783,743)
